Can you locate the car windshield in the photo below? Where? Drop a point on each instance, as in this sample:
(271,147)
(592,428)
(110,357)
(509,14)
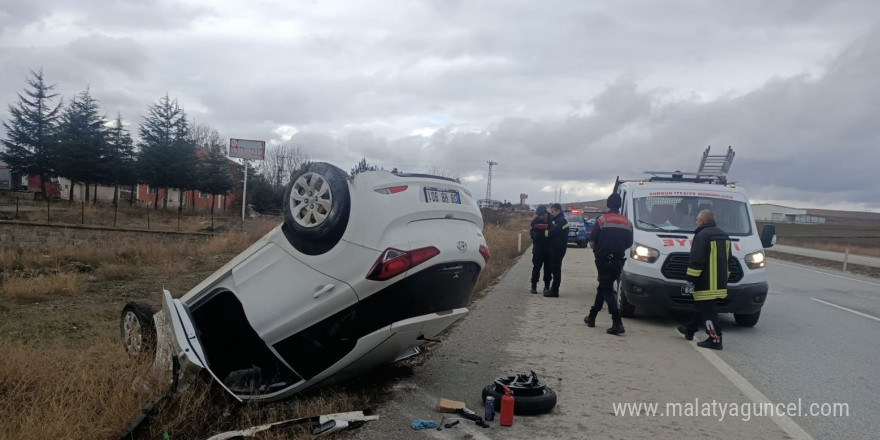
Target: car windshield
(677,214)
(572,218)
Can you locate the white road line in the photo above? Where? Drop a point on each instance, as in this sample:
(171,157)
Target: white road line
(846,309)
(826,273)
(788,425)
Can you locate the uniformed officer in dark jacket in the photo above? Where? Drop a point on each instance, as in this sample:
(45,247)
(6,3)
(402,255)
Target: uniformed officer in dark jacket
(612,235)
(707,275)
(540,248)
(558,233)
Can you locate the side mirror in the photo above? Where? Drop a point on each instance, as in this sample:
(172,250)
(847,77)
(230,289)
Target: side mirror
(768,236)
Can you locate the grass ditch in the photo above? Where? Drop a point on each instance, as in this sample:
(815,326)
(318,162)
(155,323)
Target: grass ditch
(63,373)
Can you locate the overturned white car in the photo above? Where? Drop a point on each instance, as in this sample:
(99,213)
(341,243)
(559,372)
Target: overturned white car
(360,273)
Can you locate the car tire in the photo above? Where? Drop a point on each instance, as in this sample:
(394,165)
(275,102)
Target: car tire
(137,328)
(583,244)
(627,310)
(317,204)
(541,403)
(746,319)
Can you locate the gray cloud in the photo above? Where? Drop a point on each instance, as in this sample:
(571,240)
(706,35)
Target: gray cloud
(561,93)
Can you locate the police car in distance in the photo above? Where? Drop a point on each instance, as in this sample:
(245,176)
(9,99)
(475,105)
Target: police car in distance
(578,228)
(662,209)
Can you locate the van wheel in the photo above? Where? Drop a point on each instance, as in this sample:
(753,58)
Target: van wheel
(137,328)
(746,319)
(627,310)
(317,204)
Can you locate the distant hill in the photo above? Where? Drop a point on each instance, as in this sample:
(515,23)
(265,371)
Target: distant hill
(597,206)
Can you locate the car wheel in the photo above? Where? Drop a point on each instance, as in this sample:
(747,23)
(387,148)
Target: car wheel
(317,204)
(627,310)
(746,319)
(528,400)
(137,328)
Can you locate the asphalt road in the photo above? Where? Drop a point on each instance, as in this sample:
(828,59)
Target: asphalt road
(809,350)
(828,255)
(816,343)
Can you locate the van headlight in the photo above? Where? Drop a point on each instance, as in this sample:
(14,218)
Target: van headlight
(755,260)
(644,253)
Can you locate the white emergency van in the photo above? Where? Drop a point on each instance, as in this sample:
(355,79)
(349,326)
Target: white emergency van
(663,209)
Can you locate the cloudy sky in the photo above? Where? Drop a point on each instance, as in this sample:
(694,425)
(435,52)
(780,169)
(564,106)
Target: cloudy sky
(562,94)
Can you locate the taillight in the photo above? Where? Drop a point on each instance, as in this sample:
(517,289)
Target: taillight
(484,251)
(392,189)
(394,262)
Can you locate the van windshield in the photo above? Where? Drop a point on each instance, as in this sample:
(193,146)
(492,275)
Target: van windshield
(678,214)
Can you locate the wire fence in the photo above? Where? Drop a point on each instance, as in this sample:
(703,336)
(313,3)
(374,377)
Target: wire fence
(22,206)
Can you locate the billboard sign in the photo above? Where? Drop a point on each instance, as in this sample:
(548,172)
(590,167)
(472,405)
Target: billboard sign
(247,149)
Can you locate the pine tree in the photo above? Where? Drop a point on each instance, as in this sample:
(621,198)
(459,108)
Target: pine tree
(120,158)
(364,166)
(214,176)
(30,134)
(82,143)
(163,141)
(184,166)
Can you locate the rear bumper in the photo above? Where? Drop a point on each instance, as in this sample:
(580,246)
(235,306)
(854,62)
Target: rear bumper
(642,291)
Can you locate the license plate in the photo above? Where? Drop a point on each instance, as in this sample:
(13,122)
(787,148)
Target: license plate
(437,195)
(684,291)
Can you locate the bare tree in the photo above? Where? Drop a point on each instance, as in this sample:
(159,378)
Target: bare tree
(444,172)
(205,136)
(280,161)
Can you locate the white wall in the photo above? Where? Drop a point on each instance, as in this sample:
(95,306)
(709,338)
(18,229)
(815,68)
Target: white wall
(767,212)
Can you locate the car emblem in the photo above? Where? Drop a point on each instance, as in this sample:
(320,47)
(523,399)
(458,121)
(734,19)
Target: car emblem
(462,246)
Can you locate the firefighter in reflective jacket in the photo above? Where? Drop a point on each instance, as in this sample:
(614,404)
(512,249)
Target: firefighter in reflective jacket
(707,275)
(611,237)
(558,233)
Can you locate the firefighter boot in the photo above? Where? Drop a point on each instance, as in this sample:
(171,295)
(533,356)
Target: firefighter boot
(688,334)
(616,326)
(714,339)
(534,288)
(590,319)
(710,342)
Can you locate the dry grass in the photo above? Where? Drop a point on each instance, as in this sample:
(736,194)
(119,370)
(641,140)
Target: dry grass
(502,242)
(90,393)
(116,271)
(117,248)
(73,380)
(859,238)
(67,392)
(854,246)
(36,287)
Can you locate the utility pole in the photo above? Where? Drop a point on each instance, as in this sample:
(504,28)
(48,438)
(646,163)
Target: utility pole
(489,181)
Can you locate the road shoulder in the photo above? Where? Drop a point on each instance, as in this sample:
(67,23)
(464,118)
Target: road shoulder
(510,330)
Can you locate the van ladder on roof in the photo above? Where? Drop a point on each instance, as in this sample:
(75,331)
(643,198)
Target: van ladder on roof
(719,163)
(713,169)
